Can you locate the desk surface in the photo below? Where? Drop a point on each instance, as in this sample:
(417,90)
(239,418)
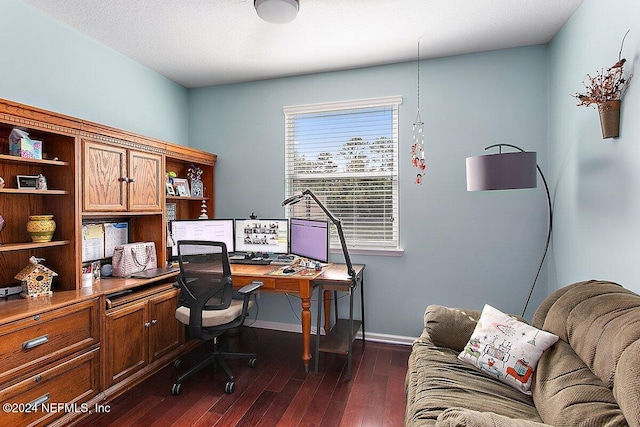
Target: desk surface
(332,272)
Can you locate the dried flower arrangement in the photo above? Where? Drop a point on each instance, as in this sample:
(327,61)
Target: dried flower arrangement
(608,84)
(604,91)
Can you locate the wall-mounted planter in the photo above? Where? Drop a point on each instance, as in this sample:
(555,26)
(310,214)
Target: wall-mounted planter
(609,118)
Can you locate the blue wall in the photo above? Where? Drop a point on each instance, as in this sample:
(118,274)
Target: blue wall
(460,249)
(595,182)
(51,66)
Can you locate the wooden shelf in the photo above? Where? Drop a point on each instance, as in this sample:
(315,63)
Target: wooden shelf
(173,198)
(17,159)
(337,341)
(6,247)
(32,191)
(123,214)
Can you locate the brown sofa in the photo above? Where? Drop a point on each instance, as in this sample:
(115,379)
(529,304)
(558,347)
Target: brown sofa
(590,377)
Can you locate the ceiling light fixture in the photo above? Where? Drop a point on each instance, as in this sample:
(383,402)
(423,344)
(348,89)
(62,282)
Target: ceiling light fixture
(277,11)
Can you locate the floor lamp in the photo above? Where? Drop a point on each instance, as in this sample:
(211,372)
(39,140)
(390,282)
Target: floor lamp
(509,171)
(347,259)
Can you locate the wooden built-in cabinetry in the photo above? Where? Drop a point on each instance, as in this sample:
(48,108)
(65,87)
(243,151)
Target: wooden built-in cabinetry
(140,328)
(51,355)
(118,179)
(87,344)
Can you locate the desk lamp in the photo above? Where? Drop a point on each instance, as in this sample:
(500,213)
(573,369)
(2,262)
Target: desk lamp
(347,259)
(509,171)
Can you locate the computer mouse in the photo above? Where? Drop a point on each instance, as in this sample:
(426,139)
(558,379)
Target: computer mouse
(288,270)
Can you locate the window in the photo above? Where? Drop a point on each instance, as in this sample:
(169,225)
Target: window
(347,154)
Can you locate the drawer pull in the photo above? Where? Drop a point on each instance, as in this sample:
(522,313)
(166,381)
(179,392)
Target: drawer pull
(38,402)
(35,342)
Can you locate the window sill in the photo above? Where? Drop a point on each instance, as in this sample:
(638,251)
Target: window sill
(376,252)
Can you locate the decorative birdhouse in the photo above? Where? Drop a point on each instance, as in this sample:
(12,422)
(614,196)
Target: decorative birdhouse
(36,279)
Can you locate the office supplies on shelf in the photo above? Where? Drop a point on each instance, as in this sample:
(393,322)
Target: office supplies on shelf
(92,242)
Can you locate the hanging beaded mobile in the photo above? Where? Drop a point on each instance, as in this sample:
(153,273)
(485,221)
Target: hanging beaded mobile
(417,146)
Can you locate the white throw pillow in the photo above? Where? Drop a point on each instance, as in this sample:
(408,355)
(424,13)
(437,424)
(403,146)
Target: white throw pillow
(506,348)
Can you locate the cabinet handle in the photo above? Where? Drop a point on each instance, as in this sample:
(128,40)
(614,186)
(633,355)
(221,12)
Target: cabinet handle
(132,180)
(124,179)
(37,402)
(154,321)
(147,324)
(35,342)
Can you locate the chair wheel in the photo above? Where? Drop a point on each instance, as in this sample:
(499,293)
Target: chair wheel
(176,389)
(177,364)
(253,362)
(229,387)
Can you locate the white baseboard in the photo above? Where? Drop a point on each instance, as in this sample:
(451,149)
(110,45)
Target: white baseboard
(370,336)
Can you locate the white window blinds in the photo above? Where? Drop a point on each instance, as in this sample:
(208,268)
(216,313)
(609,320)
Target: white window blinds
(347,154)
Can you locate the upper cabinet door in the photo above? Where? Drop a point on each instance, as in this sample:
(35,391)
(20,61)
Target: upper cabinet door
(117,179)
(104,177)
(146,183)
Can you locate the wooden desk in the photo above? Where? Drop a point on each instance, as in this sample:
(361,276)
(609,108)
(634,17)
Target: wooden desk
(301,284)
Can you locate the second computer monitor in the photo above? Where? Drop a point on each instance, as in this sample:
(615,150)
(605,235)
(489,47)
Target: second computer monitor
(310,239)
(262,235)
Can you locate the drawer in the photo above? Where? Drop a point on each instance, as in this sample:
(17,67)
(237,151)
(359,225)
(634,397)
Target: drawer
(72,382)
(268,283)
(34,342)
(288,284)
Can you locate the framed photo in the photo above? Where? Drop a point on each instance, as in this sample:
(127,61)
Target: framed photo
(26,182)
(169,188)
(197,188)
(182,187)
(171,211)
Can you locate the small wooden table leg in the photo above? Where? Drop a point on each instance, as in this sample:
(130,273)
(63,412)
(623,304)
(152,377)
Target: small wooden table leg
(327,311)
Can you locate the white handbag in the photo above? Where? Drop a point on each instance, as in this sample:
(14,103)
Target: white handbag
(133,258)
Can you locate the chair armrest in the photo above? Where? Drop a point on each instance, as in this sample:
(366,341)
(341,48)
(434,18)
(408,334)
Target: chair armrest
(246,292)
(250,288)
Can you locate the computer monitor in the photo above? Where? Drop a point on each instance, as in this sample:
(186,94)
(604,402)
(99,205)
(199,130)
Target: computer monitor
(216,230)
(310,239)
(262,235)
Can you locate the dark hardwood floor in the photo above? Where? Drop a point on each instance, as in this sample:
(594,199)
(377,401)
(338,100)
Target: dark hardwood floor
(275,393)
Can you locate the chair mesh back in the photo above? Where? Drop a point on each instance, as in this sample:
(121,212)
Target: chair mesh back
(205,277)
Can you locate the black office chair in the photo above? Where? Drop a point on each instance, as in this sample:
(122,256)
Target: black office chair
(207,306)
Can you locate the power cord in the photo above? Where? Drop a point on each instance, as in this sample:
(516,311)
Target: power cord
(293,310)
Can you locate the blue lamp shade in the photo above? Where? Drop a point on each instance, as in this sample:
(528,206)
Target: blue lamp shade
(504,171)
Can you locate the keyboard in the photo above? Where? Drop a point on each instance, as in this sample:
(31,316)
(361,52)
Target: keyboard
(251,261)
(284,260)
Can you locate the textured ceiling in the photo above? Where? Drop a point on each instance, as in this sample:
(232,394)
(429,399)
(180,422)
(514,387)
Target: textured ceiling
(211,42)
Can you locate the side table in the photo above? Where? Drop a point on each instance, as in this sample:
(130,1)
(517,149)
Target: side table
(339,339)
